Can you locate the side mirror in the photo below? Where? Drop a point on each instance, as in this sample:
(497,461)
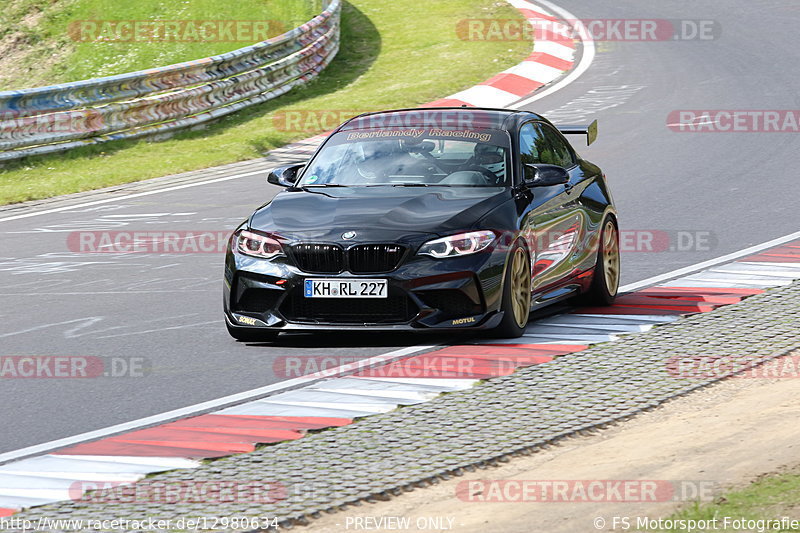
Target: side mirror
(284,176)
(541,175)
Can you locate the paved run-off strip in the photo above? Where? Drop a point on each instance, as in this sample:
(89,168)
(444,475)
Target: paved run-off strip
(522,405)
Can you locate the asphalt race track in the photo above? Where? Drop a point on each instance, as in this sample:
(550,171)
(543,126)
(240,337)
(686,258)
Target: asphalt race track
(162,312)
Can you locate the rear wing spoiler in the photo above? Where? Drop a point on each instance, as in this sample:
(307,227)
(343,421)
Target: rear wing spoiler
(590,131)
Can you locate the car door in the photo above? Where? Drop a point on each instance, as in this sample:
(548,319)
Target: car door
(585,200)
(554,222)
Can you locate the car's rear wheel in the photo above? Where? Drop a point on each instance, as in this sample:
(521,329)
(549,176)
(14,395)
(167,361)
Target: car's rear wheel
(605,281)
(516,304)
(251,335)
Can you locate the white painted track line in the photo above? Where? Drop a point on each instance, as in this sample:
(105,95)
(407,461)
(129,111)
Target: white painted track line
(129,196)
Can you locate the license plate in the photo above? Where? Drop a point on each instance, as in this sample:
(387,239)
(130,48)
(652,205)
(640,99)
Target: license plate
(345,288)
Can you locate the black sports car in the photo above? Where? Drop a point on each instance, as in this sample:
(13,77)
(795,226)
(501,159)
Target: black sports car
(421,219)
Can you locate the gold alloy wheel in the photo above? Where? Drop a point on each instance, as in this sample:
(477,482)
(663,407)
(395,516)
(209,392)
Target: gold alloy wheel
(611,257)
(520,287)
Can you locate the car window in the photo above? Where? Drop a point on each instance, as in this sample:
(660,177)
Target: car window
(531,144)
(411,157)
(559,153)
(539,143)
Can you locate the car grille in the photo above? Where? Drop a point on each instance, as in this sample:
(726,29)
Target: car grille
(374,258)
(318,258)
(396,308)
(322,258)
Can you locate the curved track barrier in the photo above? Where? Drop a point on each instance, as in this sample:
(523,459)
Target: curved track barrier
(165,99)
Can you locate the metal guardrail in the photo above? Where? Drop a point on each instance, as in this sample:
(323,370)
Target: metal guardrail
(161,100)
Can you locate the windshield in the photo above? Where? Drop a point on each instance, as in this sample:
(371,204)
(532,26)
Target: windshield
(411,157)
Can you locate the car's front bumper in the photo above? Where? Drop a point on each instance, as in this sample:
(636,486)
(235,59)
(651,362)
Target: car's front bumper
(423,294)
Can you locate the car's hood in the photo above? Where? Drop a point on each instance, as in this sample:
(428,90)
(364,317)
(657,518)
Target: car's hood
(376,213)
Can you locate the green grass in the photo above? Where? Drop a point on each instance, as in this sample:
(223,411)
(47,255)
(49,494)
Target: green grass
(393,54)
(55,51)
(769,498)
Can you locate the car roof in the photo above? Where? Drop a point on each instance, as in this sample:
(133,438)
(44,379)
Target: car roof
(443,117)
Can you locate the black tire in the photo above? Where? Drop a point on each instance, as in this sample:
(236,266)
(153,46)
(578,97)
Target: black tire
(251,335)
(510,327)
(599,293)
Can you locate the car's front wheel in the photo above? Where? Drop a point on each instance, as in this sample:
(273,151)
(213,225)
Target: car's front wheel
(250,335)
(516,304)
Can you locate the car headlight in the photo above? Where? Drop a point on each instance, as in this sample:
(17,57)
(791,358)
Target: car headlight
(458,245)
(256,245)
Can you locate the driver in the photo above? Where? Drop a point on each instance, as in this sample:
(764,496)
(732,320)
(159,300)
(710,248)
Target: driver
(486,159)
(489,157)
